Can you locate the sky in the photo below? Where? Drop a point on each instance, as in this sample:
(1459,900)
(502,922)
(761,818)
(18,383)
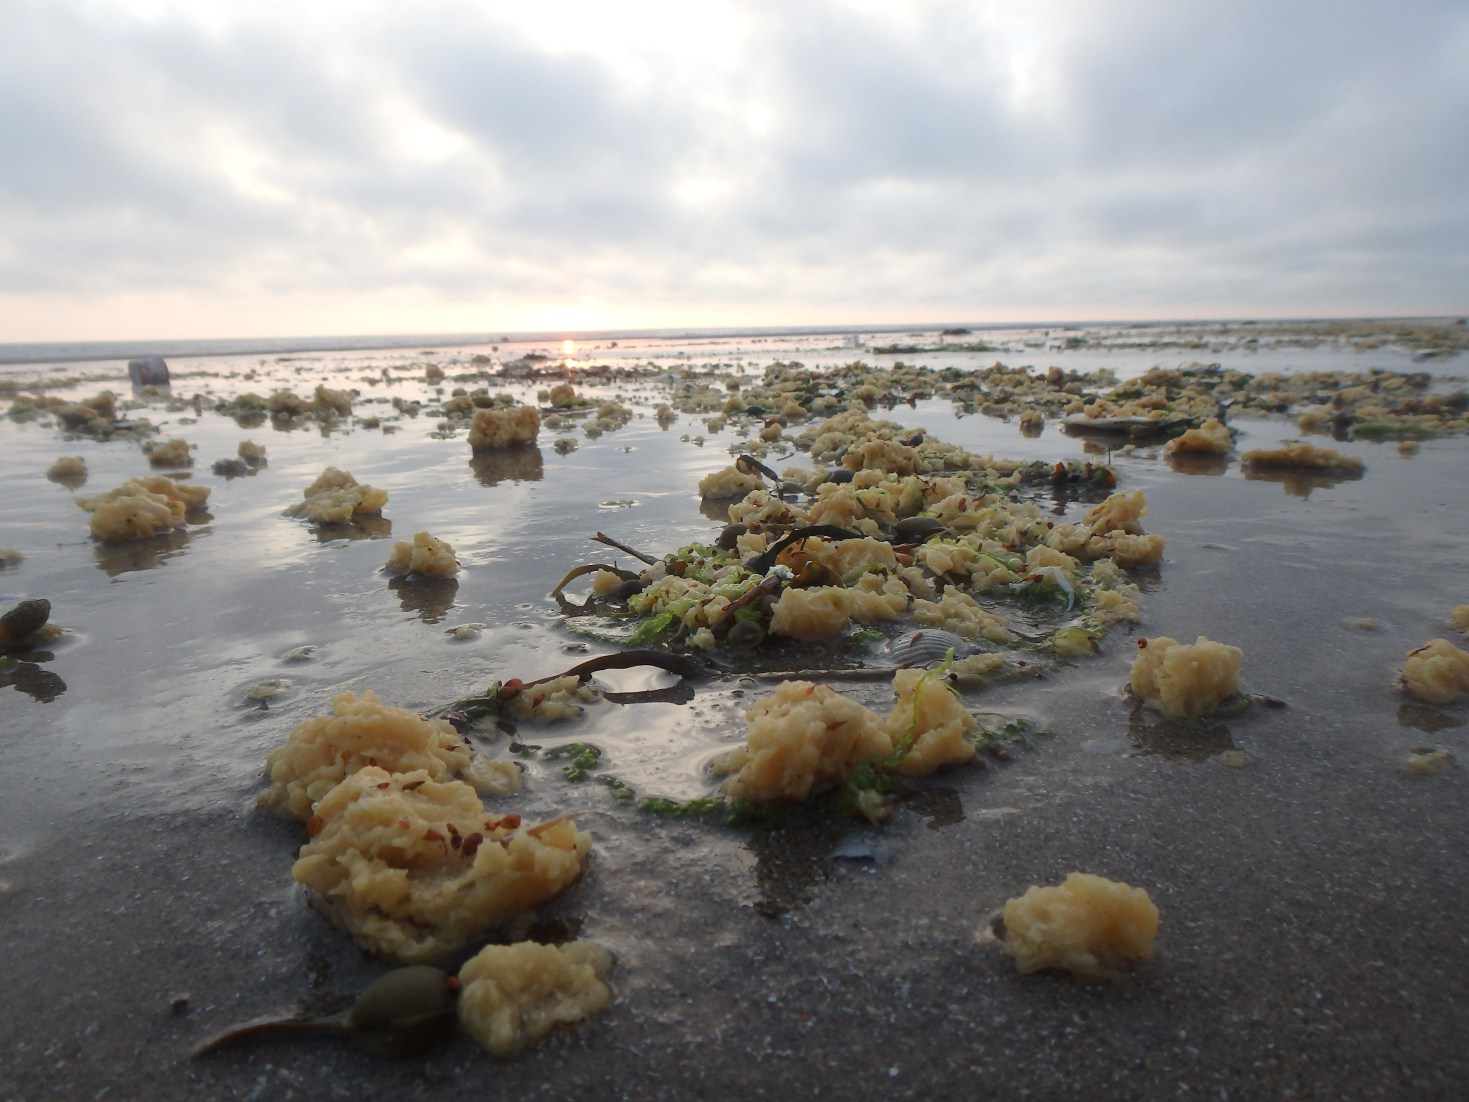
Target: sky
(248,168)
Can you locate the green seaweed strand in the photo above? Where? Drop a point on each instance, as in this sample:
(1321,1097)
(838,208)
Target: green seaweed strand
(876,774)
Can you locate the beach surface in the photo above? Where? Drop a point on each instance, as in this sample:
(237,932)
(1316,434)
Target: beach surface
(1310,887)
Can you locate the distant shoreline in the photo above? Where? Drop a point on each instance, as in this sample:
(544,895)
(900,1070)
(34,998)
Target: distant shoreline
(52,352)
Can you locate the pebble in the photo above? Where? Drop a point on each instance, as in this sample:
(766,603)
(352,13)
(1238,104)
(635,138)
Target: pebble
(268,689)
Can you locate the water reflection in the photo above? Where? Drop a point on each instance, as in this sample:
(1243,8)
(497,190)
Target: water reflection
(1131,430)
(31,678)
(940,807)
(122,558)
(1195,740)
(802,849)
(362,527)
(235,468)
(1300,483)
(717,508)
(1197,463)
(1338,427)
(793,858)
(431,598)
(680,692)
(286,422)
(69,480)
(1425,717)
(492,466)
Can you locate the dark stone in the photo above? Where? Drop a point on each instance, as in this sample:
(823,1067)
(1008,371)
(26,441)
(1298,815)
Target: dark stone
(148,371)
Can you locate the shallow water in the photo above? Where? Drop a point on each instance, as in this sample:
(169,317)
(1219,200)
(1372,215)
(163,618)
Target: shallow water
(1309,945)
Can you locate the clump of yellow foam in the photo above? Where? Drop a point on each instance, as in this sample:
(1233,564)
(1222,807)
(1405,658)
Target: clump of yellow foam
(1437,672)
(425,555)
(336,497)
(806,736)
(322,751)
(1185,680)
(142,507)
(1088,925)
(1303,457)
(416,869)
(504,427)
(1210,438)
(512,995)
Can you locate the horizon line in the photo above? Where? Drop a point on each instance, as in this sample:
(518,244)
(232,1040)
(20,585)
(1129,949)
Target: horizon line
(212,346)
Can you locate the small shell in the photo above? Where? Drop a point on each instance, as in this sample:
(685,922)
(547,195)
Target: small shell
(927,647)
(461,721)
(1427,760)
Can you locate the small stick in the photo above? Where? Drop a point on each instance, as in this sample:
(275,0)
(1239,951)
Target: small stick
(610,542)
(276,1027)
(857,673)
(549,823)
(681,664)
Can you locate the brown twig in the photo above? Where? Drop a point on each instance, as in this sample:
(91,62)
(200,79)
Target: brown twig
(610,542)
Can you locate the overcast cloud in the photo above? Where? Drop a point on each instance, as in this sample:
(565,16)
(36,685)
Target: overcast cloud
(261,168)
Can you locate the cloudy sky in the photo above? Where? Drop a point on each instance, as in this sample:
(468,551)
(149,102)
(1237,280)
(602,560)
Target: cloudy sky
(226,168)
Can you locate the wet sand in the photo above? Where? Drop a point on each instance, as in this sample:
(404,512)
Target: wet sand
(1310,944)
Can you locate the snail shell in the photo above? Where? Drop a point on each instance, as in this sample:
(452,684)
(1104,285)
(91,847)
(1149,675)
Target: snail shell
(918,529)
(24,620)
(745,633)
(402,1013)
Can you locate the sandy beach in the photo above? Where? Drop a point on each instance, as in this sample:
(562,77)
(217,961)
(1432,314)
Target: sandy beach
(1309,946)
